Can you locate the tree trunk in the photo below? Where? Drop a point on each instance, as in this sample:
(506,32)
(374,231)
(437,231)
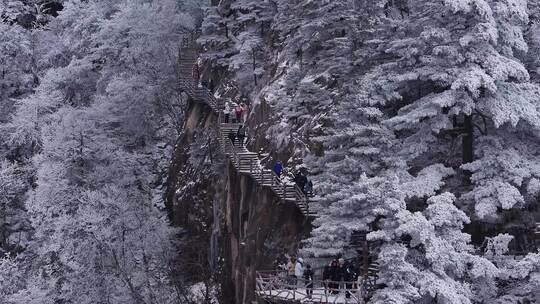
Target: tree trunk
(468,148)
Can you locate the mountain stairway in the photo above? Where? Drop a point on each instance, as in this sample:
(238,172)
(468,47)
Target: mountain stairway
(245,161)
(276,286)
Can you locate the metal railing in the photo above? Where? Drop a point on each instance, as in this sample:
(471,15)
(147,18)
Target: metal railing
(243,160)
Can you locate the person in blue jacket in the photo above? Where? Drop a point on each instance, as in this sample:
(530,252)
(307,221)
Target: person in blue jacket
(278,168)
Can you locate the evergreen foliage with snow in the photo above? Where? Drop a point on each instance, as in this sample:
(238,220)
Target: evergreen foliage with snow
(90,108)
(385,102)
(418,121)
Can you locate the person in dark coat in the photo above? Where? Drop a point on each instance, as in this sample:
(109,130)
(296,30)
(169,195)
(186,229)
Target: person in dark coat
(354,273)
(335,277)
(308,188)
(239,110)
(232,137)
(241,134)
(300,179)
(349,276)
(326,277)
(211,85)
(278,168)
(308,277)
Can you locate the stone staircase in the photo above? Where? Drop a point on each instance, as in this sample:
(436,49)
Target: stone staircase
(245,161)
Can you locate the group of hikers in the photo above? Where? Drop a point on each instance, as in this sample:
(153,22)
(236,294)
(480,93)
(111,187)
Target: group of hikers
(300,178)
(234,112)
(336,276)
(238,137)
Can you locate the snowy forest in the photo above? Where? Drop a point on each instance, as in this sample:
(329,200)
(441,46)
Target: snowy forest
(125,177)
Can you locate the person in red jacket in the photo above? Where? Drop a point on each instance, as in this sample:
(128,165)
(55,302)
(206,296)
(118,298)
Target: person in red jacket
(239,110)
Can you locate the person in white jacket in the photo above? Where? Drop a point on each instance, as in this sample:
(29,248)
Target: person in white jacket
(227,111)
(299,271)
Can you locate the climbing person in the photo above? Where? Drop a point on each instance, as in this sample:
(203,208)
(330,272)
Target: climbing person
(245,112)
(308,278)
(241,135)
(291,265)
(299,270)
(278,168)
(300,179)
(326,277)
(211,85)
(232,115)
(351,276)
(196,72)
(308,188)
(232,137)
(335,277)
(238,111)
(342,270)
(204,83)
(227,111)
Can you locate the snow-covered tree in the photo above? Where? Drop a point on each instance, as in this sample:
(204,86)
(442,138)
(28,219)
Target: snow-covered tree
(391,103)
(98,128)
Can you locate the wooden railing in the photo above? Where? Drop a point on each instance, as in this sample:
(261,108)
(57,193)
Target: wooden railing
(277,286)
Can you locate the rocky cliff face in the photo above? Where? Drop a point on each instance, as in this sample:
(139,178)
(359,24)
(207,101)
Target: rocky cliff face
(250,229)
(257,229)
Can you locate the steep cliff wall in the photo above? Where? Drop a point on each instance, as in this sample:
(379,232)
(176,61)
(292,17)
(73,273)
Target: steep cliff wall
(244,222)
(258,227)
(185,178)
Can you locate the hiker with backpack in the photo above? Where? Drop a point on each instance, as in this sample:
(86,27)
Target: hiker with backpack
(241,135)
(278,169)
(308,277)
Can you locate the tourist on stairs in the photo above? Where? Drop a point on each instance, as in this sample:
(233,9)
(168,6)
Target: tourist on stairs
(278,168)
(227,111)
(299,270)
(308,188)
(232,112)
(342,271)
(290,271)
(232,137)
(245,112)
(335,277)
(308,277)
(241,135)
(238,111)
(196,72)
(350,277)
(301,180)
(326,277)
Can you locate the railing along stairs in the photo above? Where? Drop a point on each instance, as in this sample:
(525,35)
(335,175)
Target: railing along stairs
(244,161)
(276,287)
